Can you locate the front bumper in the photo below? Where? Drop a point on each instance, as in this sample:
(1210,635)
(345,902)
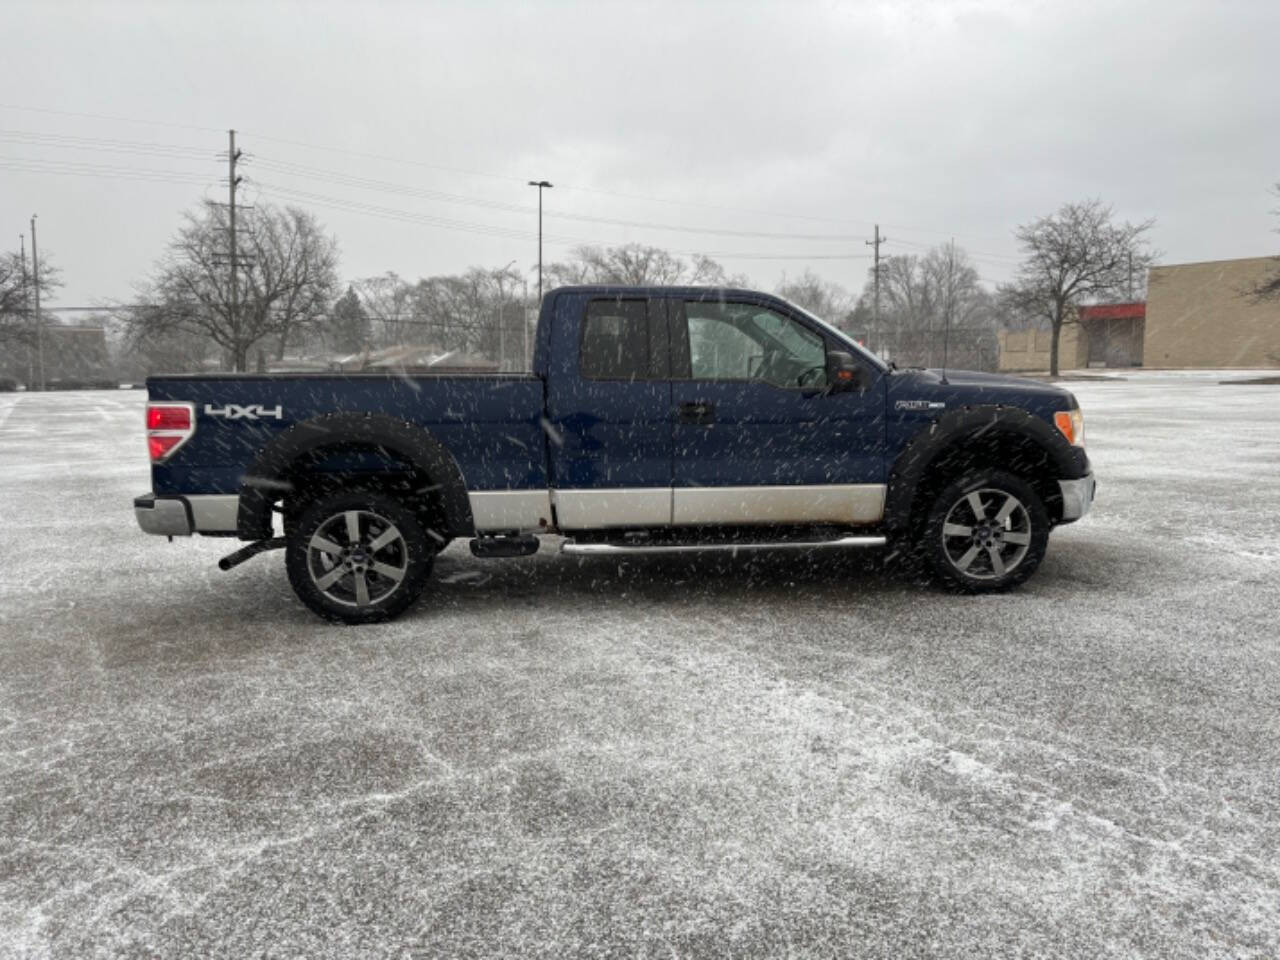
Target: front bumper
(171,515)
(1077,497)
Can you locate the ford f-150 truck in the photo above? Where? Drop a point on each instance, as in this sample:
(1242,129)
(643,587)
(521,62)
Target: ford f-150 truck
(655,419)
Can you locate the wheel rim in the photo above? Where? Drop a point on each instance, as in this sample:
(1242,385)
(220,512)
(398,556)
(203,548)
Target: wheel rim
(986,534)
(357,558)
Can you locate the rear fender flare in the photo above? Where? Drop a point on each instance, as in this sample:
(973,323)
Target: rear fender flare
(416,444)
(970,423)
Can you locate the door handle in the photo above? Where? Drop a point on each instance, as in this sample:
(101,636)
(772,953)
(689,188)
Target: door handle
(698,413)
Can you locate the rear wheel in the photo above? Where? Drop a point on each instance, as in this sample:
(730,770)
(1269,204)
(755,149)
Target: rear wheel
(987,531)
(358,557)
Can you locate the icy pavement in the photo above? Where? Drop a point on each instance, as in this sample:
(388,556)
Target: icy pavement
(754,757)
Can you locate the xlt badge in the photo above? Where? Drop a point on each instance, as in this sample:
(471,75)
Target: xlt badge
(921,405)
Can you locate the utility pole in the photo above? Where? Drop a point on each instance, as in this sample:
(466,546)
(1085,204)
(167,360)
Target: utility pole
(232,182)
(500,278)
(876,273)
(1131,276)
(26,309)
(35,282)
(541,185)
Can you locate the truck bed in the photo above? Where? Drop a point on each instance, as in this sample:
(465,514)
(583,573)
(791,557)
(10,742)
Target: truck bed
(490,423)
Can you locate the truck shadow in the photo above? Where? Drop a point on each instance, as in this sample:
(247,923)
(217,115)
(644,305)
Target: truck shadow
(461,579)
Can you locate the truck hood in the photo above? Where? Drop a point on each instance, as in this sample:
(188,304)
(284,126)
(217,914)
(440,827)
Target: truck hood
(908,389)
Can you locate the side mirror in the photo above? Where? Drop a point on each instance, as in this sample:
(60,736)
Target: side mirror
(845,374)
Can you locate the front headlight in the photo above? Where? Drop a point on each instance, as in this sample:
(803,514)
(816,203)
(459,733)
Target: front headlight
(1071,424)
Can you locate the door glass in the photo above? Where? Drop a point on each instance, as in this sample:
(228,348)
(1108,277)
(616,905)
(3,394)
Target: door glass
(615,340)
(738,341)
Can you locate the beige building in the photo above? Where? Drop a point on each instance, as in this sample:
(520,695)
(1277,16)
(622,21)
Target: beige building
(1028,350)
(1200,315)
(1196,315)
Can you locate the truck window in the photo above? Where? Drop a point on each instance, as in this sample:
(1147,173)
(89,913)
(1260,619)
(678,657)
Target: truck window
(738,341)
(624,340)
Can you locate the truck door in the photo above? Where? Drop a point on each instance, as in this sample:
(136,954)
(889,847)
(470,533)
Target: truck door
(609,412)
(758,437)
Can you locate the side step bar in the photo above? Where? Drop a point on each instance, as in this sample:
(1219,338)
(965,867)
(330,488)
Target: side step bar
(588,549)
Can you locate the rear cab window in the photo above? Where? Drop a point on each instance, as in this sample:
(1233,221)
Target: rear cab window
(624,340)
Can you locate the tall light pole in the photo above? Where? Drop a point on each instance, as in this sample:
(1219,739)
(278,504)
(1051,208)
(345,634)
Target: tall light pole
(541,185)
(35,280)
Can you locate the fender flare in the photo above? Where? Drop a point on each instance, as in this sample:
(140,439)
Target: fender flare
(971,422)
(414,443)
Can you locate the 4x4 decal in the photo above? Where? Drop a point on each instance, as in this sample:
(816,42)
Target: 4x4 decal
(253,411)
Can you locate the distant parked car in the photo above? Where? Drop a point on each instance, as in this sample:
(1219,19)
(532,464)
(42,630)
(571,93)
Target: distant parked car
(7,385)
(87,383)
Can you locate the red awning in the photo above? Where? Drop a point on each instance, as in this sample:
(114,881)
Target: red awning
(1114,311)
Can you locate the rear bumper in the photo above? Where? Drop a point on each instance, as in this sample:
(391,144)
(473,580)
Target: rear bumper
(171,515)
(1077,497)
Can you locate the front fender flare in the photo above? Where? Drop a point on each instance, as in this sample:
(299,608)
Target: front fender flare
(969,423)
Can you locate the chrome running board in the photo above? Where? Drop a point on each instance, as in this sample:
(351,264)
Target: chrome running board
(584,549)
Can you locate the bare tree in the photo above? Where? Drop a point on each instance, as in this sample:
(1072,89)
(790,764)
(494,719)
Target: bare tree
(285,284)
(1269,289)
(1074,256)
(823,299)
(17,324)
(293,272)
(388,300)
(635,263)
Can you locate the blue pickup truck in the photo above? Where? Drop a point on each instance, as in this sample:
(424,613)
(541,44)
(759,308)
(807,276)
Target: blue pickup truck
(655,419)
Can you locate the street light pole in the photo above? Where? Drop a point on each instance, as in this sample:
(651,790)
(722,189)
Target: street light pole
(35,280)
(541,185)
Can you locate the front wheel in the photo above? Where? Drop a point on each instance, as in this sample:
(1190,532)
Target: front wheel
(987,531)
(358,557)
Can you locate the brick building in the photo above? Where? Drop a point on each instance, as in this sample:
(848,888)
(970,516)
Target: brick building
(1196,315)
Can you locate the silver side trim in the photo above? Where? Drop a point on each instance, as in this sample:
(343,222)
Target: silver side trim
(214,513)
(619,507)
(826,503)
(521,510)
(1077,496)
(587,549)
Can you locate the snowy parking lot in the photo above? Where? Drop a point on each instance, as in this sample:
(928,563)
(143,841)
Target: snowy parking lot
(768,756)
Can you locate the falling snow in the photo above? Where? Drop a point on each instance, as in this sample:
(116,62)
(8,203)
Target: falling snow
(752,756)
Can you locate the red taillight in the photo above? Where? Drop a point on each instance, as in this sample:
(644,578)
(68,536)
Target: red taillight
(169,426)
(161,445)
(169,418)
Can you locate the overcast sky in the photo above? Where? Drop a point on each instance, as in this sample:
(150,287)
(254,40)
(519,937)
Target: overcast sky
(774,134)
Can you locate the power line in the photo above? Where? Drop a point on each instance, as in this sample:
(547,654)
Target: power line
(494,176)
(100,116)
(405,190)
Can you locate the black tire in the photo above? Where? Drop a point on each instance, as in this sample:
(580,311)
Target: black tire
(371,578)
(986,532)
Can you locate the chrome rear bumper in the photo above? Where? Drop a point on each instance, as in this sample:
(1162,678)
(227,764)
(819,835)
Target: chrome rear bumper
(171,515)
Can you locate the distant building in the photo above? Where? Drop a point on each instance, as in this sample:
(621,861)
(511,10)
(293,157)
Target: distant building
(1201,315)
(1195,315)
(1107,335)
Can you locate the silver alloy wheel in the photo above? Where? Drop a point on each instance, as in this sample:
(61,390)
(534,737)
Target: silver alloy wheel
(357,558)
(986,533)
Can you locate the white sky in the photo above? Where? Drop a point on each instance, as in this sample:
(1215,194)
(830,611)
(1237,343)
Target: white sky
(934,119)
